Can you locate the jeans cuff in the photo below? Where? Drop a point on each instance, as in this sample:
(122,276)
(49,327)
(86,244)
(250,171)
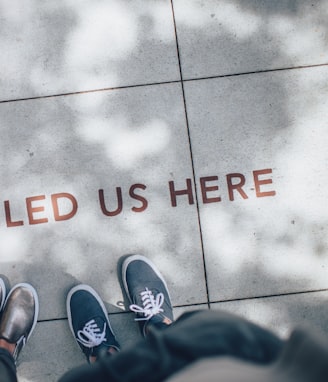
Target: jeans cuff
(8,361)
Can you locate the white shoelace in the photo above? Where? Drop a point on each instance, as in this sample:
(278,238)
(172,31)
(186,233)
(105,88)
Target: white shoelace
(91,335)
(151,305)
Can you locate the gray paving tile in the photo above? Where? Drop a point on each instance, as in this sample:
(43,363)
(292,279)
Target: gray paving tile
(178,311)
(228,37)
(66,46)
(128,141)
(283,313)
(51,350)
(270,235)
(49,353)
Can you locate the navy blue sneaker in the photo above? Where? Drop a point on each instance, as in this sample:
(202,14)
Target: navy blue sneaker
(147,292)
(89,323)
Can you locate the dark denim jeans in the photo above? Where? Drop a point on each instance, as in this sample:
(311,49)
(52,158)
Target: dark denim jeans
(7,367)
(194,335)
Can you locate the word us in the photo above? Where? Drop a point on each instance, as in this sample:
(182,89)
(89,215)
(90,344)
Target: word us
(36,211)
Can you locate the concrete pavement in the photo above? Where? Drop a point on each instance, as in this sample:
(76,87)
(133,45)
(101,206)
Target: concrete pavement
(192,132)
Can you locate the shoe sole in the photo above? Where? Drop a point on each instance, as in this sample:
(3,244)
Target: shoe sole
(95,295)
(132,258)
(36,301)
(3,293)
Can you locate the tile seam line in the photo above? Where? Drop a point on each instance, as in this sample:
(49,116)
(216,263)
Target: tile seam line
(300,67)
(197,304)
(191,157)
(90,91)
(160,83)
(211,302)
(270,296)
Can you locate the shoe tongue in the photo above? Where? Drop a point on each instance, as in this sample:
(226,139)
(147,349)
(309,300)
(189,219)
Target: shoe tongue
(100,351)
(156,322)
(156,319)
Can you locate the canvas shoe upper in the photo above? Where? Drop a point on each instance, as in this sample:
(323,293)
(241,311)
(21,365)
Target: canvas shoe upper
(88,321)
(147,292)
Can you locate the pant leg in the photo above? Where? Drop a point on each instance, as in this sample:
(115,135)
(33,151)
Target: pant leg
(7,367)
(195,335)
(205,333)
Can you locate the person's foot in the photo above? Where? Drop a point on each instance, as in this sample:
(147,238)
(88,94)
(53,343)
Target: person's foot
(147,292)
(19,317)
(89,323)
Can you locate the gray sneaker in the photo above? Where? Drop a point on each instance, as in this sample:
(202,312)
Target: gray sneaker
(19,316)
(147,292)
